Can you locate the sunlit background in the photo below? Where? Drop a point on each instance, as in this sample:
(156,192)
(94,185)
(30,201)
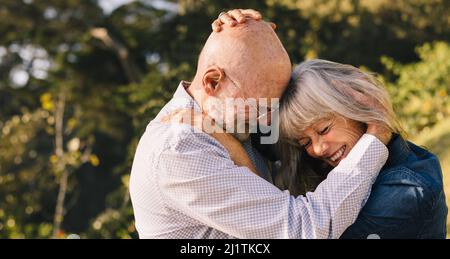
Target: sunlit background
(80,79)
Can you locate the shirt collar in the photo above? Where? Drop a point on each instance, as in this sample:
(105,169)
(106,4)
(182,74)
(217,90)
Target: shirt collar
(398,151)
(183,99)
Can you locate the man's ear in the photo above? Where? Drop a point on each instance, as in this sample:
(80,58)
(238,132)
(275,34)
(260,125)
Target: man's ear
(211,79)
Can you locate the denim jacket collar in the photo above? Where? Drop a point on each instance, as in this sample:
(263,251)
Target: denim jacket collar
(398,151)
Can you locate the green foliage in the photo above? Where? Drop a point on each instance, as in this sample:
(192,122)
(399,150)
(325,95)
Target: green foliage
(21,180)
(421,91)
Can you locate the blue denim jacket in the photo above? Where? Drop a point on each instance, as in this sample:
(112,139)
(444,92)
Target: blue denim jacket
(407,199)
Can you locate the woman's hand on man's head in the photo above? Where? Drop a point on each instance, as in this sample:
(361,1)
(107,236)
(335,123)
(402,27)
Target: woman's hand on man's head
(235,17)
(380,131)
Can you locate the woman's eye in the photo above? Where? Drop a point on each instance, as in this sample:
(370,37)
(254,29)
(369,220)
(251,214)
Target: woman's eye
(305,143)
(325,130)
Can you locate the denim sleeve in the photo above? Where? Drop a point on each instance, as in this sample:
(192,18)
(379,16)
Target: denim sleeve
(398,207)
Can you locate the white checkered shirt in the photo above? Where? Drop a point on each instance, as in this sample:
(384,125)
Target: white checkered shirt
(185,185)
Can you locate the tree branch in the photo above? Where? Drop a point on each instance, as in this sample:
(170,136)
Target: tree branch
(131,71)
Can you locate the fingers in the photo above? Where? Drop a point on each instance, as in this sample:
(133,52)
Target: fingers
(173,117)
(184,116)
(251,13)
(237,15)
(383,133)
(234,17)
(224,18)
(227,18)
(216,26)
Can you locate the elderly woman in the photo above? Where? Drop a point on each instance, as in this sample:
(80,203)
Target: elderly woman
(323,113)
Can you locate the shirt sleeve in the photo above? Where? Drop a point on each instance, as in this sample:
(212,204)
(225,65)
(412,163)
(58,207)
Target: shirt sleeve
(198,178)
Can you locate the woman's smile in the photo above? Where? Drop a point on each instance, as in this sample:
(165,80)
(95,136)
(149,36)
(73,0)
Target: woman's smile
(332,139)
(338,155)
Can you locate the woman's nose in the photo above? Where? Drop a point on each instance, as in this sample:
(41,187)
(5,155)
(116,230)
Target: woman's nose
(320,148)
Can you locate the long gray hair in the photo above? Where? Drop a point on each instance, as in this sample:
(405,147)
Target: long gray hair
(320,89)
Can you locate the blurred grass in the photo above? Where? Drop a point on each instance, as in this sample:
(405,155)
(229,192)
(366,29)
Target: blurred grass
(437,140)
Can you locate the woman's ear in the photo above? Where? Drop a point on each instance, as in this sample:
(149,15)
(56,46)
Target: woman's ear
(212,78)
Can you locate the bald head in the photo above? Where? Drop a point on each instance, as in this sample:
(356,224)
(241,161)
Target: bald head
(250,54)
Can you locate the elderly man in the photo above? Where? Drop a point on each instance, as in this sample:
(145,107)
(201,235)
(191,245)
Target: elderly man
(184,183)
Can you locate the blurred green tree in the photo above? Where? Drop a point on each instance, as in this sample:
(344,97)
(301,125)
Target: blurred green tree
(421,90)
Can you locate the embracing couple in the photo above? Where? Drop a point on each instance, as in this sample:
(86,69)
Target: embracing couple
(340,166)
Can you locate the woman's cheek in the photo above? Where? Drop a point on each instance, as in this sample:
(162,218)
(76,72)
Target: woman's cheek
(334,135)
